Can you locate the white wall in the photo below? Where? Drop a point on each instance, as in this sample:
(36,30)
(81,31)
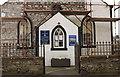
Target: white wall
(119,21)
(103,30)
(71,29)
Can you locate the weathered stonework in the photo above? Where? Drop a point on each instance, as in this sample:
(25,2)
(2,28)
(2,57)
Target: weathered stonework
(22,66)
(101,65)
(9,31)
(14,8)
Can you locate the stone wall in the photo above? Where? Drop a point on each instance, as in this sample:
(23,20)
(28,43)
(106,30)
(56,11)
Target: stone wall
(101,64)
(10,29)
(22,66)
(9,32)
(15,9)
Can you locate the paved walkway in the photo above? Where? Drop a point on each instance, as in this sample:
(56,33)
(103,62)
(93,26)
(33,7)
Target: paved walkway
(61,71)
(71,71)
(65,72)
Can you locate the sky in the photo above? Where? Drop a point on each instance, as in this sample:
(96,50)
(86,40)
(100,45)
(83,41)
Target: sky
(111,1)
(2,1)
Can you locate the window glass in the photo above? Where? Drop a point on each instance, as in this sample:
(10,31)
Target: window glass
(88,34)
(25,27)
(58,38)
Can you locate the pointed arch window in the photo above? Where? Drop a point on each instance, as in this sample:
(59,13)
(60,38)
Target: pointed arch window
(58,38)
(25,28)
(89,32)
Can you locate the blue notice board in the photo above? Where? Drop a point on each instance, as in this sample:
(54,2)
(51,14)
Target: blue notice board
(72,40)
(45,39)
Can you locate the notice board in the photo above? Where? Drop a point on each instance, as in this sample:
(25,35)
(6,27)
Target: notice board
(45,39)
(72,40)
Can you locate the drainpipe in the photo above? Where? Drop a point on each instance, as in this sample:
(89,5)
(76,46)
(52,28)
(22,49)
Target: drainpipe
(37,41)
(111,6)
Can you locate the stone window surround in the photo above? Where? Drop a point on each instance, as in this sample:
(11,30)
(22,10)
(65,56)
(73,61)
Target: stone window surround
(52,38)
(94,32)
(29,47)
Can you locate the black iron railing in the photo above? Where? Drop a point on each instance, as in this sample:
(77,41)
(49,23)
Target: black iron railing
(100,48)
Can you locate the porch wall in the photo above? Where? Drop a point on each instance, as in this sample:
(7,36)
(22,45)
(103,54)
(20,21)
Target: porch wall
(70,28)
